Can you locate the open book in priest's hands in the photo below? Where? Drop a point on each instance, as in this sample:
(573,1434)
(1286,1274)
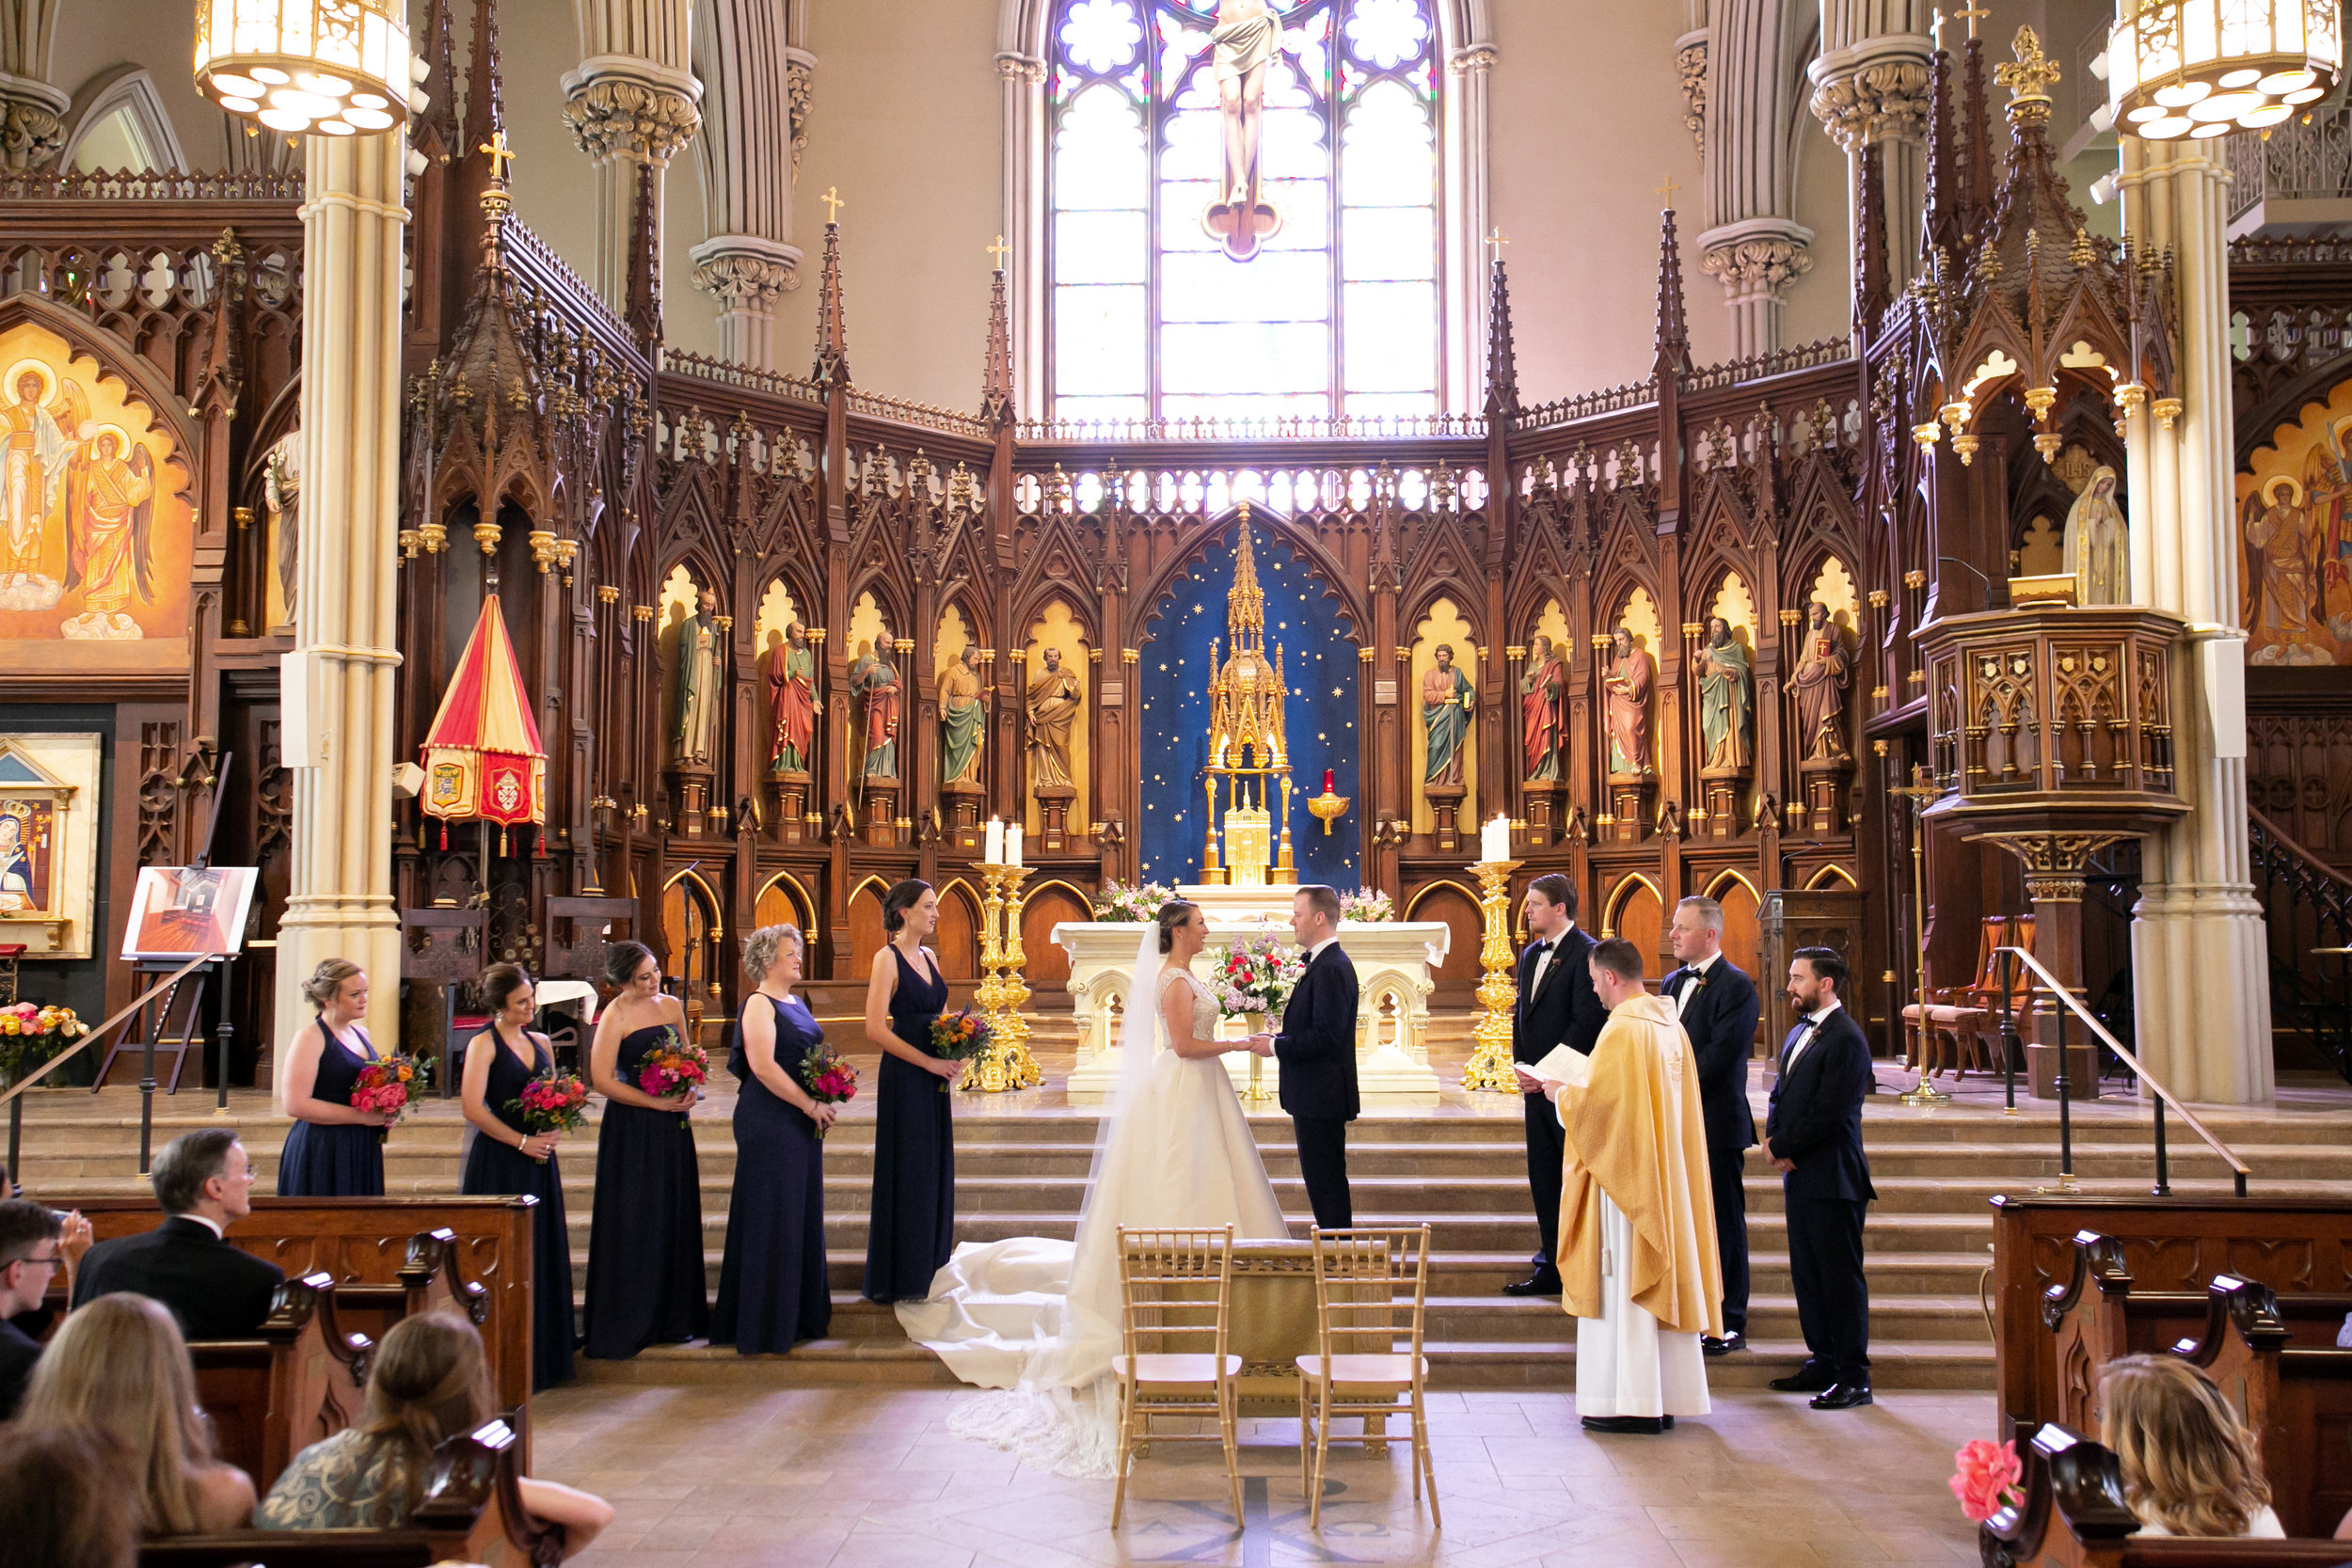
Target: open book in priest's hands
(1564,1065)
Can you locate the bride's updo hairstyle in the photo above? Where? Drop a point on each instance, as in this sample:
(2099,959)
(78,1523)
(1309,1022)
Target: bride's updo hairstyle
(901,897)
(1172,914)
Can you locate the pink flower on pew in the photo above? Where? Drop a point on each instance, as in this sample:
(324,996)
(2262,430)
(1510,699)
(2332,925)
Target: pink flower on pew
(1986,1476)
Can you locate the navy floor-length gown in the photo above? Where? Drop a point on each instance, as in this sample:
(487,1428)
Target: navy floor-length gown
(496,1168)
(645,1233)
(773,1289)
(913,1224)
(337,1160)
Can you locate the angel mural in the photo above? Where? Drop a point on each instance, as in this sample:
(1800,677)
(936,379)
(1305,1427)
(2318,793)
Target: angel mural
(110,519)
(40,432)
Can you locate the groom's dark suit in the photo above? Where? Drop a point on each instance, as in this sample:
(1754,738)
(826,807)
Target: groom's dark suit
(1562,1010)
(1317,1050)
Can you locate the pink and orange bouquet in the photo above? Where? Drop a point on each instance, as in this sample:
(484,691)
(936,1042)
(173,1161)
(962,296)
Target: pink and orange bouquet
(672,1068)
(383,1088)
(552,1102)
(828,1077)
(1986,1479)
(959,1038)
(30,1034)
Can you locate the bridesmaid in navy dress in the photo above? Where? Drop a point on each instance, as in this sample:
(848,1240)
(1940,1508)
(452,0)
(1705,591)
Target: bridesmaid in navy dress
(912,1230)
(334,1150)
(773,1289)
(645,1233)
(506,1158)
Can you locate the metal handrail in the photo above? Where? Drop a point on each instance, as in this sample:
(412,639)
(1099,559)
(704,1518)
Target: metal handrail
(11,1096)
(2239,1169)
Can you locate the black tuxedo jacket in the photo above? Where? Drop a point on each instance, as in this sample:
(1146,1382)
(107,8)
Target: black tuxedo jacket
(1721,1020)
(1317,1044)
(1815,1117)
(1564,1010)
(218,1290)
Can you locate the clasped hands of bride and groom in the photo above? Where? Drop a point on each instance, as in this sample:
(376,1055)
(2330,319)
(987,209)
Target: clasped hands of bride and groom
(1039,1317)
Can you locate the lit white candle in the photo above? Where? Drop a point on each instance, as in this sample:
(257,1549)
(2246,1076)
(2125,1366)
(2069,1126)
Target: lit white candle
(1495,839)
(1012,845)
(994,853)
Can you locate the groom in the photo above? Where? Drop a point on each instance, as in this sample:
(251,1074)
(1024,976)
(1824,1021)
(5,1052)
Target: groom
(1317,1050)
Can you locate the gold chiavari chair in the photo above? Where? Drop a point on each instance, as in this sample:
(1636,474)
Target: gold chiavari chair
(1369,1286)
(1177,1289)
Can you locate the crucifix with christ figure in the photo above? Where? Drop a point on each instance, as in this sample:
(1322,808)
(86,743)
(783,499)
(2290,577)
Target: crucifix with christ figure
(1246,38)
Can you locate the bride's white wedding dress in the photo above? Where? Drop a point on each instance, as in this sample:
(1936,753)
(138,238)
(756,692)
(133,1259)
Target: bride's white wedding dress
(1040,1318)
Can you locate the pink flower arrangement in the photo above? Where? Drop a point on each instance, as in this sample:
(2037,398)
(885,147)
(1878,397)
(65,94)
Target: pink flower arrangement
(555,1102)
(672,1068)
(1986,1479)
(828,1077)
(382,1086)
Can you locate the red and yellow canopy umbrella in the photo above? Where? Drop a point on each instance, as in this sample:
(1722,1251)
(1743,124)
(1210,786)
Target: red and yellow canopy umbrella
(481,758)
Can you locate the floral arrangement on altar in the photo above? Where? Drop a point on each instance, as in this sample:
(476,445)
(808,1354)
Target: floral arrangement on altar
(828,1077)
(382,1087)
(1367,904)
(553,1103)
(30,1034)
(1254,975)
(1140,904)
(959,1038)
(1986,1479)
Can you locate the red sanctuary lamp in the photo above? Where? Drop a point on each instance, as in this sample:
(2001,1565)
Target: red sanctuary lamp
(1329,806)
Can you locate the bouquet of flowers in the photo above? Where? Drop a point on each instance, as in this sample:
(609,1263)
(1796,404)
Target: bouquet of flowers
(959,1038)
(1367,904)
(828,1077)
(672,1068)
(1986,1479)
(1253,976)
(383,1088)
(552,1102)
(1140,904)
(30,1034)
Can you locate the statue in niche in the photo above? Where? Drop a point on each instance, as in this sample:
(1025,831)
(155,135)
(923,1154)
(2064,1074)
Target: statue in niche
(1446,701)
(697,685)
(961,719)
(792,703)
(1628,686)
(1823,671)
(1541,691)
(1726,700)
(1246,37)
(874,682)
(2098,549)
(281,493)
(1053,704)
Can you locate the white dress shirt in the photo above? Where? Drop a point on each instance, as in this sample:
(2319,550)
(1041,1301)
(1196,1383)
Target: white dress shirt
(1812,1029)
(1543,960)
(212,1225)
(1692,983)
(1316,951)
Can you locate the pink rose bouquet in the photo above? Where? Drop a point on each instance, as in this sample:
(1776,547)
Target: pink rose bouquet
(1986,1479)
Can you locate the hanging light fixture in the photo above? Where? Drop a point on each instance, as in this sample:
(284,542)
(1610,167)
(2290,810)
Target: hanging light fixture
(337,66)
(2205,67)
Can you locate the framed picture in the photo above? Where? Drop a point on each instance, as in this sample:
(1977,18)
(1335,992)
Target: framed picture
(48,846)
(182,912)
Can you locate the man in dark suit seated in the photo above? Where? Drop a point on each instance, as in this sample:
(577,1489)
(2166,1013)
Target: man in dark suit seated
(1317,1050)
(1556,1006)
(1813,1136)
(217,1291)
(1718,1004)
(31,1253)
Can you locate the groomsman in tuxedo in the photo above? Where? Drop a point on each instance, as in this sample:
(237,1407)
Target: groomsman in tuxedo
(1317,1050)
(1718,1005)
(1813,1136)
(1556,1006)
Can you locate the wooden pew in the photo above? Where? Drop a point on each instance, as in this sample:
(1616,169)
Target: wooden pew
(300,1380)
(472,1513)
(2073,1516)
(2294,1246)
(432,1278)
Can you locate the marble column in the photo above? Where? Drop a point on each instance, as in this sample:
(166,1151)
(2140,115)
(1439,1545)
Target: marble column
(2200,964)
(627,111)
(1752,243)
(756,93)
(339,899)
(1871,88)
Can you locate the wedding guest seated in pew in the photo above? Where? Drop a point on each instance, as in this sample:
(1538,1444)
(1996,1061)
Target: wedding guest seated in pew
(430,1382)
(2189,1466)
(62,1494)
(119,1366)
(205,1184)
(31,1255)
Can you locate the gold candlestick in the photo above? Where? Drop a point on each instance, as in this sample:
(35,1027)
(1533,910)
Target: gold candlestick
(989,992)
(1490,1063)
(1007,1063)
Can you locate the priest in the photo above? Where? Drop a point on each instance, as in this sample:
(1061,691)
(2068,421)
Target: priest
(1637,1257)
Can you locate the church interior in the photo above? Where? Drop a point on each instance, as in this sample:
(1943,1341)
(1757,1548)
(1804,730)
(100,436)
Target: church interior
(555,474)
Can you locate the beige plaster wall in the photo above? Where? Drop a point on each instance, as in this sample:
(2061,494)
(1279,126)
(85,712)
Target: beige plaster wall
(96,35)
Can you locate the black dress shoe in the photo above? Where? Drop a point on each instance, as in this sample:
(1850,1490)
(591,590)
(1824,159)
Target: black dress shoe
(1801,1382)
(1842,1396)
(1648,1426)
(1545,1284)
(1725,1346)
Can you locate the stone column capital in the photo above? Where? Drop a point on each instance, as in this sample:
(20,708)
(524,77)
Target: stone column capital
(1872,91)
(745,270)
(1690,66)
(32,121)
(623,106)
(1016,66)
(1756,257)
(1476,57)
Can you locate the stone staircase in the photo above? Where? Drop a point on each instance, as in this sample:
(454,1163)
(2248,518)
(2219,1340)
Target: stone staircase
(1022,1164)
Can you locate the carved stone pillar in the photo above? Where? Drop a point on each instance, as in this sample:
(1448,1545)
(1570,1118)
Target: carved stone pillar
(1872,90)
(757,92)
(1755,261)
(1690,66)
(1753,244)
(340,898)
(32,112)
(746,275)
(626,112)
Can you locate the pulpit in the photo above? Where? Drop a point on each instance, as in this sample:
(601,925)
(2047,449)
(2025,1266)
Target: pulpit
(2050,732)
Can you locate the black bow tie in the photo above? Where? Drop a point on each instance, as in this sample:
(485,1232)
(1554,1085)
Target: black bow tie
(1542,948)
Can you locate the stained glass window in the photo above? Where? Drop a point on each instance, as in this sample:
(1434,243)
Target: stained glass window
(1337,311)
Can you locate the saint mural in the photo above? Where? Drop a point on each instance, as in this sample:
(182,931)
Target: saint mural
(1246,38)
(20,886)
(1541,691)
(1053,704)
(1726,701)
(111,509)
(961,719)
(792,703)
(694,711)
(1447,698)
(1818,686)
(40,432)
(874,682)
(2098,551)
(2279,526)
(1628,686)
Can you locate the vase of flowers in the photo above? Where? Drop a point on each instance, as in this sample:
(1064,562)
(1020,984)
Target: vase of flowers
(1252,976)
(1367,905)
(31,1035)
(1140,904)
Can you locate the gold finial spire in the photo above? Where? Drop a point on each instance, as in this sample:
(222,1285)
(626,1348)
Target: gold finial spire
(1244,604)
(2029,79)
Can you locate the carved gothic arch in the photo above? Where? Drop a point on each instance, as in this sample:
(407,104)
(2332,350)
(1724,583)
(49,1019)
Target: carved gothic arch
(116,360)
(1278,528)
(128,91)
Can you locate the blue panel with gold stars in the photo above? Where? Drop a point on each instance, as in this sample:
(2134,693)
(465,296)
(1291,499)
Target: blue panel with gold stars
(1320,661)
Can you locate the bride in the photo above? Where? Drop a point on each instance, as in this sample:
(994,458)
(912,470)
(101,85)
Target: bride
(1040,1318)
